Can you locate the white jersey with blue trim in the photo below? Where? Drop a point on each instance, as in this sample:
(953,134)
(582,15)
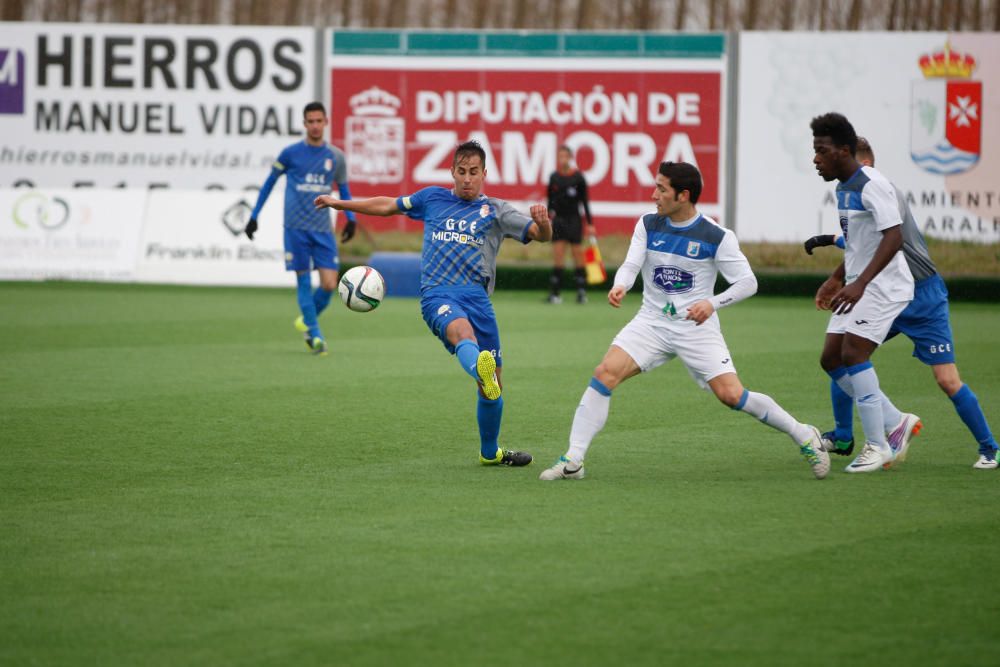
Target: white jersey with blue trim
(462,237)
(868,205)
(680,263)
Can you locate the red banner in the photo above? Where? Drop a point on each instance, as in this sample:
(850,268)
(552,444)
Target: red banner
(399,128)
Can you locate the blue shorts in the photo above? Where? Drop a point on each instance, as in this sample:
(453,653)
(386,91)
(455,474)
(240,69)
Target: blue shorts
(925,322)
(305,250)
(442,305)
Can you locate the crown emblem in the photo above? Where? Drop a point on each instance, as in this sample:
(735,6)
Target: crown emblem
(374,102)
(947,64)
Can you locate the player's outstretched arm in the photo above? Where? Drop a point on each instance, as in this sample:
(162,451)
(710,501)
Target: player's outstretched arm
(820,241)
(541,228)
(383,206)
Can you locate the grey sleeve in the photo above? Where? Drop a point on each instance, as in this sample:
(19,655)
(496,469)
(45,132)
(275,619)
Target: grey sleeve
(340,174)
(513,223)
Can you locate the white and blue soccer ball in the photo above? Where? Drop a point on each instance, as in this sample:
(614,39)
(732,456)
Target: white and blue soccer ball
(362,289)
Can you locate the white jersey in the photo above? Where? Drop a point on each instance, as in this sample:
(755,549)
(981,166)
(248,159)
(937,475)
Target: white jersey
(868,206)
(679,265)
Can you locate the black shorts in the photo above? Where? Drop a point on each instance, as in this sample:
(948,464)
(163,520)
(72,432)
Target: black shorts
(567,230)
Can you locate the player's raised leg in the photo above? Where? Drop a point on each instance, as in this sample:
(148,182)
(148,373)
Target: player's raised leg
(592,412)
(728,389)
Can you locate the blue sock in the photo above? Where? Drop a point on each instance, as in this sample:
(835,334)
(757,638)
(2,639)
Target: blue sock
(967,407)
(467,352)
(489,414)
(321,299)
(843,407)
(306,305)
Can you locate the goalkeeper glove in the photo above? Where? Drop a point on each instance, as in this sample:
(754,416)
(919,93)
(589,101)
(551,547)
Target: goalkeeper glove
(348,232)
(251,228)
(819,241)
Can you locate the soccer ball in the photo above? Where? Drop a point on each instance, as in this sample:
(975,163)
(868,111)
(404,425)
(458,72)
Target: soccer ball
(362,288)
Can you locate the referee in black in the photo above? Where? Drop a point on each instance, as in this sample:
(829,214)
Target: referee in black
(567,192)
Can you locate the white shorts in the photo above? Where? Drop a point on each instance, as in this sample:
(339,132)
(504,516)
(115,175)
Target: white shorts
(653,342)
(871,317)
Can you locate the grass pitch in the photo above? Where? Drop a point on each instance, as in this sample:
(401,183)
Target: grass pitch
(182,483)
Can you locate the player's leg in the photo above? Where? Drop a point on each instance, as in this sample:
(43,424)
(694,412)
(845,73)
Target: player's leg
(558,264)
(579,271)
(327,286)
(327,262)
(298,258)
(637,347)
(969,411)
(730,391)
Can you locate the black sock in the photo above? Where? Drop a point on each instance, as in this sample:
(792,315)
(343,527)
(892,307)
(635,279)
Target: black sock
(581,279)
(555,281)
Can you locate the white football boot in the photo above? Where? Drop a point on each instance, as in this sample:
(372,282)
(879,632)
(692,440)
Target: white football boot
(986,462)
(814,452)
(563,469)
(899,438)
(869,460)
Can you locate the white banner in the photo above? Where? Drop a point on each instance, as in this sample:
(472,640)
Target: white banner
(196,238)
(929,103)
(70,234)
(105,105)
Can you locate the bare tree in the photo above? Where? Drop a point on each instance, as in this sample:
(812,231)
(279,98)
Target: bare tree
(854,15)
(13,10)
(680,14)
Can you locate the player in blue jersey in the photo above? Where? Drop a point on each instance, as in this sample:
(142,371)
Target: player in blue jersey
(925,322)
(311,167)
(463,230)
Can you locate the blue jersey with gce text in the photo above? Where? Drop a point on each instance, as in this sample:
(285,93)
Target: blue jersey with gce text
(462,237)
(309,171)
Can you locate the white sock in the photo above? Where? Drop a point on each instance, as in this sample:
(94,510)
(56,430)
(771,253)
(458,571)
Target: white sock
(891,416)
(868,400)
(590,417)
(767,410)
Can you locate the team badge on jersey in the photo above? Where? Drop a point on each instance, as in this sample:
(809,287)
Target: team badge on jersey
(484,210)
(328,164)
(946,121)
(672,279)
(694,247)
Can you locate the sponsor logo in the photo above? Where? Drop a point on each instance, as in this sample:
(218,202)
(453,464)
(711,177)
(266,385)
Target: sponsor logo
(375,138)
(946,120)
(860,322)
(236,217)
(940,349)
(37,210)
(657,244)
(11,81)
(672,279)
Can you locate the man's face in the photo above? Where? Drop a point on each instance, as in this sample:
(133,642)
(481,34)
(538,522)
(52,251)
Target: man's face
(829,159)
(315,124)
(468,174)
(667,200)
(563,158)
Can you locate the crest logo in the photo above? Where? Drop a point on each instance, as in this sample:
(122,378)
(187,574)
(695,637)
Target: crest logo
(673,280)
(946,120)
(694,247)
(484,210)
(375,137)
(328,165)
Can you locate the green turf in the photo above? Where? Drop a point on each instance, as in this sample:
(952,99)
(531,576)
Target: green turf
(181,483)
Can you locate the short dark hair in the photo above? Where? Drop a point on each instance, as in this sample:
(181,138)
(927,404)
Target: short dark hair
(683,176)
(565,147)
(838,128)
(313,106)
(468,149)
(864,151)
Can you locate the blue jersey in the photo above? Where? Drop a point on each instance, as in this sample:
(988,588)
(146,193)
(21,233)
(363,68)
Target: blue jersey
(310,171)
(462,238)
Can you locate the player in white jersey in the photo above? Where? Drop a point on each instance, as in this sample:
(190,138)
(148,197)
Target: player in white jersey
(866,293)
(679,253)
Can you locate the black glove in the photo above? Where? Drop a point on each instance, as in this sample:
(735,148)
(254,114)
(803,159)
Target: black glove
(251,228)
(819,242)
(348,232)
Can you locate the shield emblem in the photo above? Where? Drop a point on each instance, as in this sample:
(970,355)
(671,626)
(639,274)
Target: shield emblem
(945,125)
(328,164)
(694,247)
